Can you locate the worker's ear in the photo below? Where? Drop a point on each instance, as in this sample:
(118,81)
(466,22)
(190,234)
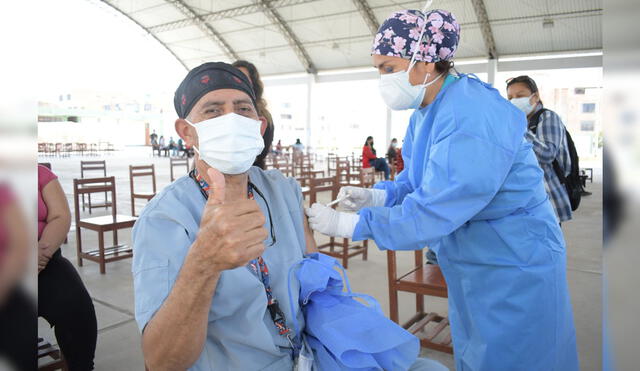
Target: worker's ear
(263,124)
(186,132)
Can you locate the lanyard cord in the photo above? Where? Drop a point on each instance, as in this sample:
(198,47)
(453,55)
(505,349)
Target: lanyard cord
(257,266)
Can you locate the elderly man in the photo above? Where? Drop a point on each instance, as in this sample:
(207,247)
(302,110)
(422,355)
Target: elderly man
(196,310)
(213,249)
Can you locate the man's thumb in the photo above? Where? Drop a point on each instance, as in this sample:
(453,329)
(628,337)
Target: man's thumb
(217,186)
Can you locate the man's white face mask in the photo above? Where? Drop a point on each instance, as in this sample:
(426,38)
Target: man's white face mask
(229,143)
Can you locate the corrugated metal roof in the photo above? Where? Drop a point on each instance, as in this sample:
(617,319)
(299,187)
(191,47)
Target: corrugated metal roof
(334,34)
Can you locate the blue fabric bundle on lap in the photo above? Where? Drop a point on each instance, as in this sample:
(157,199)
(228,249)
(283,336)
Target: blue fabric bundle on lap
(343,333)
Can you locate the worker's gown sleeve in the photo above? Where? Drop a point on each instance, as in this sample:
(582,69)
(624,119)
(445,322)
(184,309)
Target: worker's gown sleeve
(472,190)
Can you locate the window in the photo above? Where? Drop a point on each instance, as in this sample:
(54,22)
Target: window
(588,125)
(588,107)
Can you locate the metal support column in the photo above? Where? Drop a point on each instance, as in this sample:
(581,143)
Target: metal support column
(492,71)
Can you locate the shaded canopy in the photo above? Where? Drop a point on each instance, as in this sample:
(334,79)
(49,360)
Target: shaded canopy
(288,36)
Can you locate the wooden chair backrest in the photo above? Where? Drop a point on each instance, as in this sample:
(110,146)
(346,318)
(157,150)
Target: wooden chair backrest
(94,185)
(175,162)
(142,170)
(93,166)
(367,177)
(343,170)
(321,185)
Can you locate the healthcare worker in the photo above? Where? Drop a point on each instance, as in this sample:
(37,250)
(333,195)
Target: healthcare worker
(473,192)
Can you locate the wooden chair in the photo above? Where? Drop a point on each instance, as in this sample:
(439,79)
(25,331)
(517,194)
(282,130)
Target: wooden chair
(49,357)
(176,162)
(424,279)
(81,148)
(346,249)
(367,177)
(42,149)
(101,224)
(331,164)
(67,150)
(101,166)
(138,171)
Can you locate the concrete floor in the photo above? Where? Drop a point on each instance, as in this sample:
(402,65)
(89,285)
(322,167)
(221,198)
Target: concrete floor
(118,337)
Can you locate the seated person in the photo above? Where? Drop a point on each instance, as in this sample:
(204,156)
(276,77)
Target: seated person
(63,300)
(212,250)
(369,158)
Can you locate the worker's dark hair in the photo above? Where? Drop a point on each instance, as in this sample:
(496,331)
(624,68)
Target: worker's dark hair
(444,67)
(258,89)
(254,75)
(528,81)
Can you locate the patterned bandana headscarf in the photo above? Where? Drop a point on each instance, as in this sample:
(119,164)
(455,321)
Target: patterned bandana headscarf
(398,35)
(206,78)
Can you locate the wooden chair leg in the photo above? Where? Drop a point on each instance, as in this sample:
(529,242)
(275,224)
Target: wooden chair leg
(419,303)
(115,240)
(79,245)
(331,243)
(365,252)
(345,253)
(103,269)
(393,303)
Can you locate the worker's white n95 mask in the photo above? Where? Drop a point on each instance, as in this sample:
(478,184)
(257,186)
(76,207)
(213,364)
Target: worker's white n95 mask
(229,143)
(398,93)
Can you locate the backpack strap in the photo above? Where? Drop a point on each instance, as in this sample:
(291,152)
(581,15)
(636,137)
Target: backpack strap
(533,127)
(535,120)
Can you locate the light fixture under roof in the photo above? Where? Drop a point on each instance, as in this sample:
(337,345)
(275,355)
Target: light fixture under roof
(547,23)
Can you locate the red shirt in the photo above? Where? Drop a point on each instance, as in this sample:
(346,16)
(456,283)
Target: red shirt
(367,155)
(44,177)
(399,160)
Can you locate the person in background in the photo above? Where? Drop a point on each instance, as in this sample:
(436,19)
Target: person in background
(298,146)
(369,158)
(63,299)
(399,160)
(153,137)
(17,310)
(279,147)
(250,70)
(394,155)
(547,134)
(162,146)
(180,146)
(173,147)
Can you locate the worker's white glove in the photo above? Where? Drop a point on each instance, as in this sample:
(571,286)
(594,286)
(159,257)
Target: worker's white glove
(355,198)
(331,222)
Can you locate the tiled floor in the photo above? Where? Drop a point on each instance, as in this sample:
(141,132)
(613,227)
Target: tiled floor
(118,337)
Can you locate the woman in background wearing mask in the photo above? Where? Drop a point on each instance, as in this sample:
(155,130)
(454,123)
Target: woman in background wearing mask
(472,191)
(547,134)
(250,70)
(369,158)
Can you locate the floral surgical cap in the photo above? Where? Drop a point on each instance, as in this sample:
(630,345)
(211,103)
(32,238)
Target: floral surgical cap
(399,34)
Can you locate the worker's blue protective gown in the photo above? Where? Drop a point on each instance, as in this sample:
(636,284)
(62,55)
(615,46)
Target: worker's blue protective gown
(473,192)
